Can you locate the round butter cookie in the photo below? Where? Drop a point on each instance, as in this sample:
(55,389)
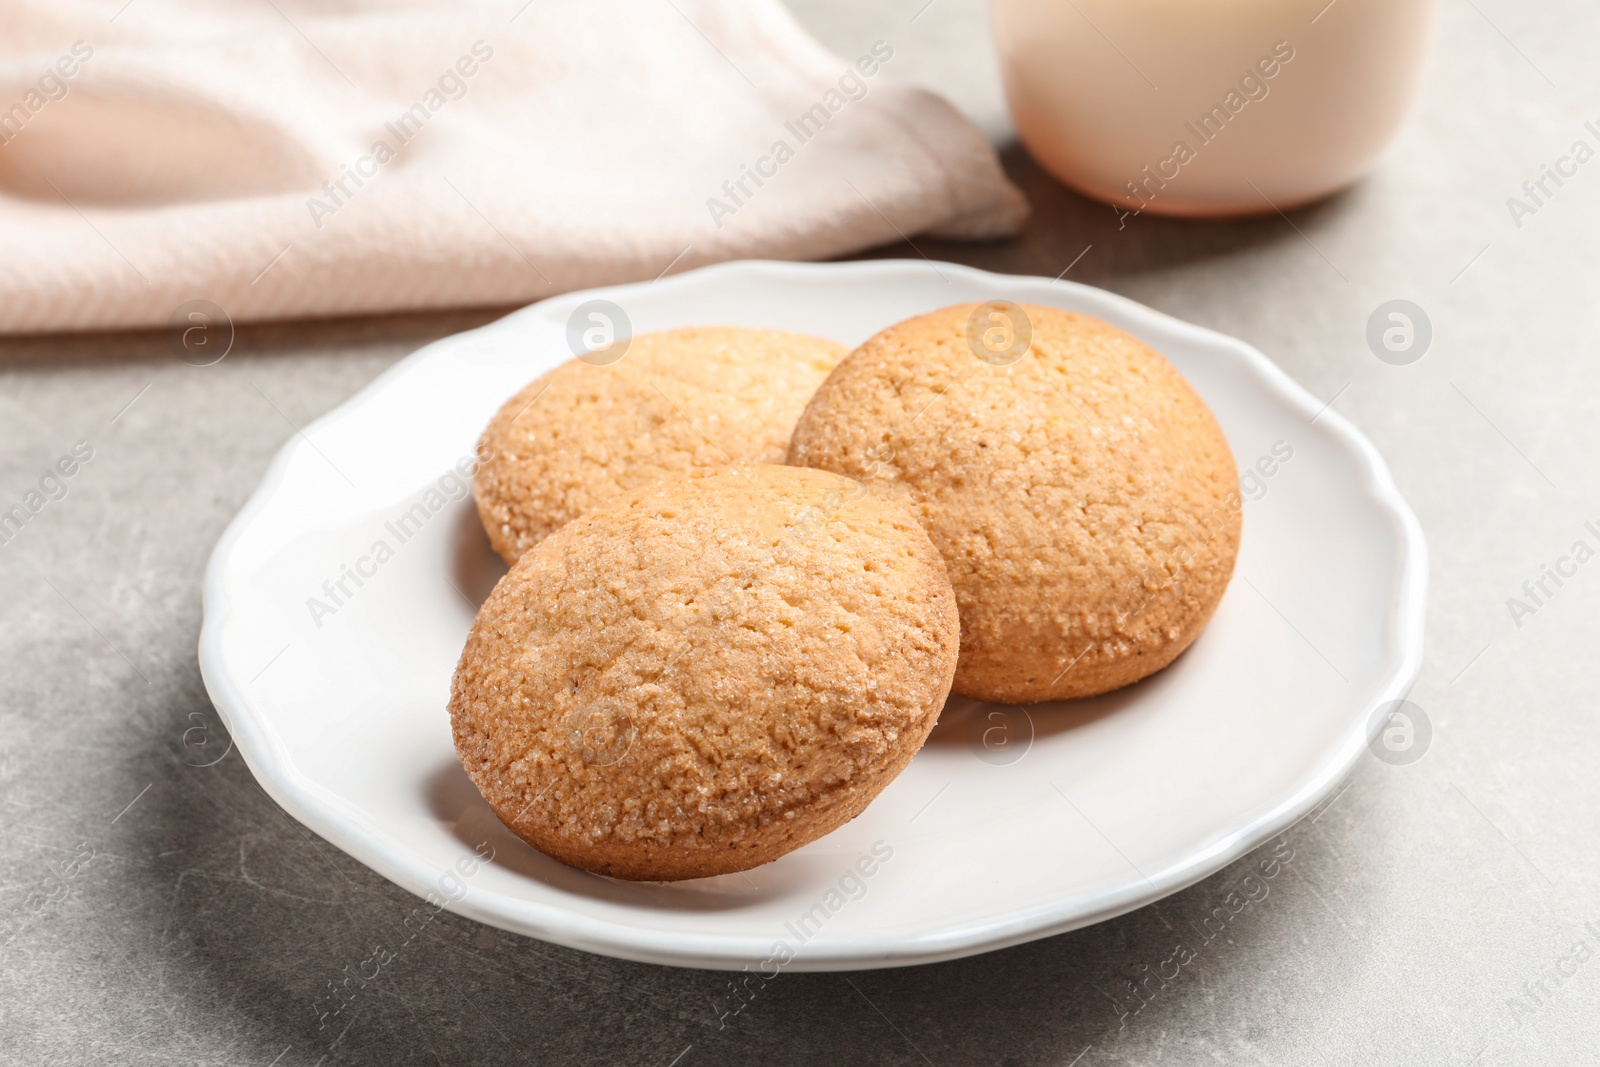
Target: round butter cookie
(584,433)
(1081,493)
(698,676)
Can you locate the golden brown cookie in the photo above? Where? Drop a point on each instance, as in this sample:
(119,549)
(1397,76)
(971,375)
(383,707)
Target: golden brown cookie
(1081,493)
(693,397)
(699,676)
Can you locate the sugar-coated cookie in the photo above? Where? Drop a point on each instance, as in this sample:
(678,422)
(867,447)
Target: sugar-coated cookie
(701,675)
(692,397)
(1081,493)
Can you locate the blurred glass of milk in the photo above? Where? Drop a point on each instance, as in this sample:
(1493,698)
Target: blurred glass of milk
(1209,107)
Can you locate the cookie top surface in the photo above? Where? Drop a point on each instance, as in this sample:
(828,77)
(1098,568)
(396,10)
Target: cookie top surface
(703,674)
(1081,493)
(694,397)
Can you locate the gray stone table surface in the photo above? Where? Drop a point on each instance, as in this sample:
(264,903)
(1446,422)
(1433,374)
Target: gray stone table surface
(157,910)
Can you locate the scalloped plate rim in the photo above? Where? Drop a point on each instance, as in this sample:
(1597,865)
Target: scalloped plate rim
(331,818)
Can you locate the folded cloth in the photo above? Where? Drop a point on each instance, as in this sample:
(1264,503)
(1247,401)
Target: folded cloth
(288,158)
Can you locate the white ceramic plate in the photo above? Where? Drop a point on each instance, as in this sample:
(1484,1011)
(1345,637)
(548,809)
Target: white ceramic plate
(1007,826)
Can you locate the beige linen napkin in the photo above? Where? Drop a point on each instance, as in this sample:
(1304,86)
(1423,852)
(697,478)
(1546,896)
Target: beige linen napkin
(300,158)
